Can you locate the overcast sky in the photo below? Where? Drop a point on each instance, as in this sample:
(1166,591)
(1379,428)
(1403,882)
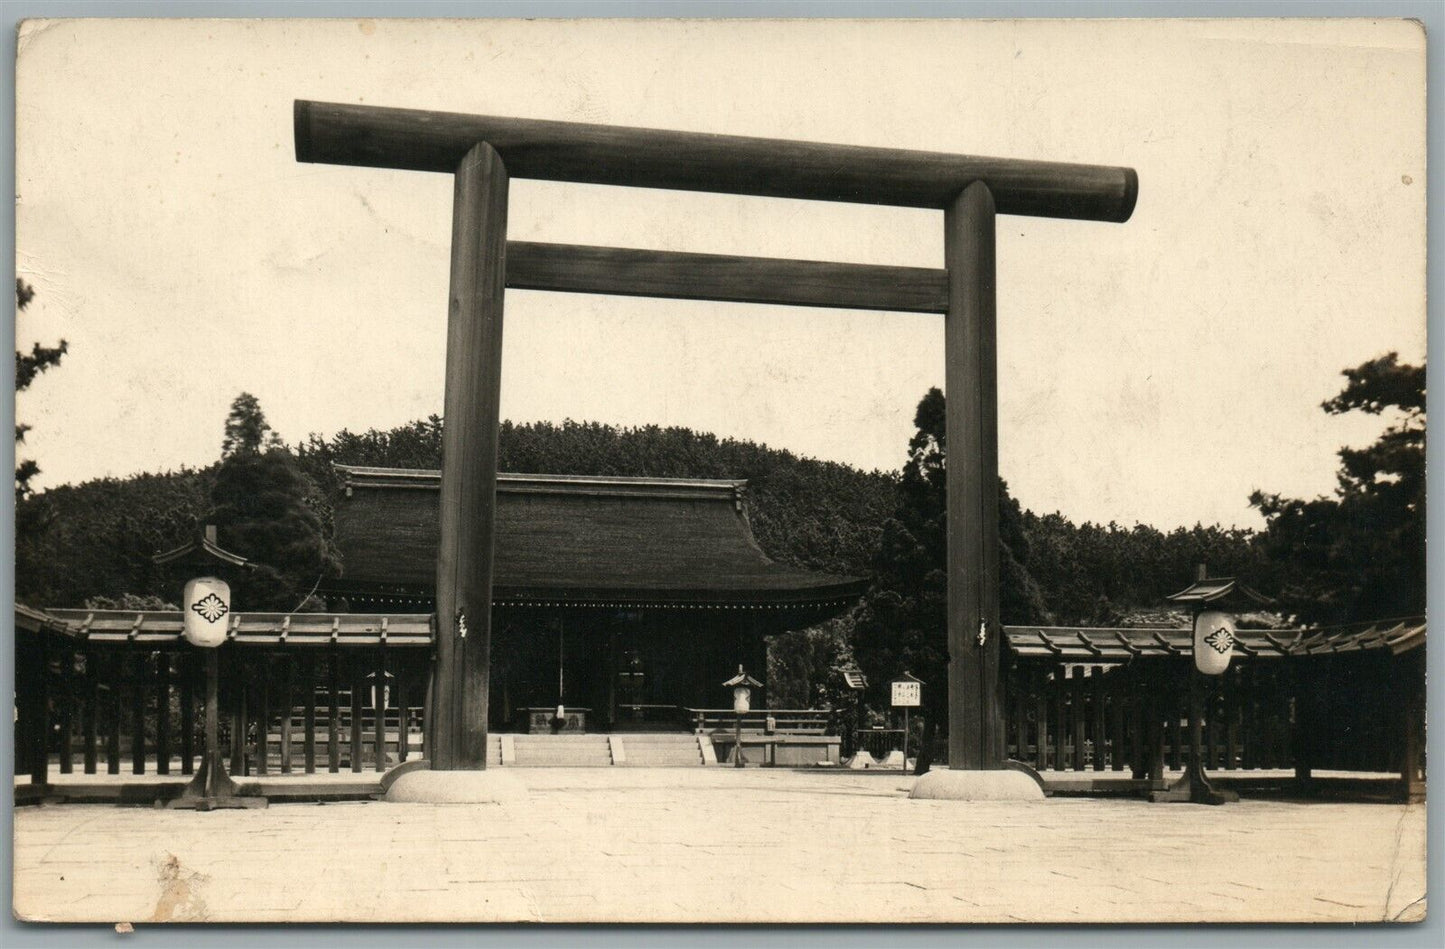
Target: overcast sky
(1155,371)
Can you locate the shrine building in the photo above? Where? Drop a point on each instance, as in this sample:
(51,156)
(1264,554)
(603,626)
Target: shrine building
(625,600)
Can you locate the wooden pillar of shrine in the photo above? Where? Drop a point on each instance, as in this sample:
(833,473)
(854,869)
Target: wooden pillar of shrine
(975,702)
(469,461)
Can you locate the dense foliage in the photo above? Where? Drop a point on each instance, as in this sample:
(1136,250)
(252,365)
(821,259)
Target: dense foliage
(265,508)
(96,539)
(1356,555)
(1104,574)
(262,504)
(27,367)
(1359,555)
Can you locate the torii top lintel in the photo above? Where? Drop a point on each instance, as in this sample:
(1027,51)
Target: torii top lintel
(372,136)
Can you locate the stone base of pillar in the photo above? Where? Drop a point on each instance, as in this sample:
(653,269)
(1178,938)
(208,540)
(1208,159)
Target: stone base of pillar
(422,786)
(1004,785)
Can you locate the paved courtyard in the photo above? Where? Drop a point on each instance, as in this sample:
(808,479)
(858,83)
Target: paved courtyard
(719,845)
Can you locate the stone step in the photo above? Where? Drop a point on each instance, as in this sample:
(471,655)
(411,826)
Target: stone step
(560,751)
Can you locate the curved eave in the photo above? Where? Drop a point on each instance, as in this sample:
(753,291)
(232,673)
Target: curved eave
(1102,644)
(152,628)
(840,592)
(201,550)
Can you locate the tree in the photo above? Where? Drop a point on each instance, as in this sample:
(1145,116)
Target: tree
(1108,574)
(1359,555)
(77,542)
(247,431)
(265,508)
(902,624)
(27,367)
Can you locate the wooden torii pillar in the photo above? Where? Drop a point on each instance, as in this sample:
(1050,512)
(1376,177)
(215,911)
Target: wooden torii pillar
(485,152)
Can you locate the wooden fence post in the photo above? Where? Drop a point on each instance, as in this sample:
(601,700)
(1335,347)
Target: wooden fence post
(139,664)
(189,666)
(90,716)
(378,702)
(1138,760)
(288,700)
(1158,680)
(163,713)
(333,713)
(263,718)
(358,688)
(1101,735)
(1077,702)
(66,709)
(400,697)
(309,720)
(1041,717)
(1060,704)
(116,668)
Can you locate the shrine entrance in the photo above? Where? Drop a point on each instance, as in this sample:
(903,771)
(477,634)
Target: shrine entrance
(483,153)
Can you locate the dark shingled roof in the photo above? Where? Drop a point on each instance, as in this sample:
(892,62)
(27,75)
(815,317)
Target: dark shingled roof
(576,539)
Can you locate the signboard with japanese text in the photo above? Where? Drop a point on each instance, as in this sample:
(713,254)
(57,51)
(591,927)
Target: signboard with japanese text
(907,693)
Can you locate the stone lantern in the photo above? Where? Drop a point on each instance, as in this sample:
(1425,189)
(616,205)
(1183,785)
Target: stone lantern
(742,685)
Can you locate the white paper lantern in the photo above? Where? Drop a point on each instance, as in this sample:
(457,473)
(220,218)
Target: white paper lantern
(207,603)
(1214,637)
(742,698)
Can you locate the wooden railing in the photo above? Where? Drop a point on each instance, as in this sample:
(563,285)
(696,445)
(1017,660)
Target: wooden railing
(1350,713)
(1135,717)
(115,708)
(777,721)
(128,707)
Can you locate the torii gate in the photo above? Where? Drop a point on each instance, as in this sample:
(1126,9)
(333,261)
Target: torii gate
(484,152)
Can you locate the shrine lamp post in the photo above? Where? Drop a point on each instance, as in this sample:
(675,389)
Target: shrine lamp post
(205,604)
(1214,639)
(742,685)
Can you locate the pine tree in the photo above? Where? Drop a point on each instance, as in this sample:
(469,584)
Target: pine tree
(266,509)
(1360,555)
(247,431)
(902,625)
(27,367)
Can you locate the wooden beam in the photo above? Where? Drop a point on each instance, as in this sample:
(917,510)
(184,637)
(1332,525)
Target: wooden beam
(90,717)
(344,134)
(333,712)
(571,268)
(469,460)
(975,733)
(139,669)
(187,669)
(357,674)
(163,713)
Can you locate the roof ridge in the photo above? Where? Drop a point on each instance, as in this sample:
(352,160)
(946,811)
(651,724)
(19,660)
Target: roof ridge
(379,476)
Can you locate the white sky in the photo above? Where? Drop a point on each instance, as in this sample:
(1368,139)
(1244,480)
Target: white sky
(1154,371)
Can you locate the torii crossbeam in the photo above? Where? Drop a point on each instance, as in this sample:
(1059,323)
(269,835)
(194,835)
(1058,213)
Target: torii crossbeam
(484,153)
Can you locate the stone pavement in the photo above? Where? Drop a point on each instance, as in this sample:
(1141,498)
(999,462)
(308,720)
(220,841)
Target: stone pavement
(723,845)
